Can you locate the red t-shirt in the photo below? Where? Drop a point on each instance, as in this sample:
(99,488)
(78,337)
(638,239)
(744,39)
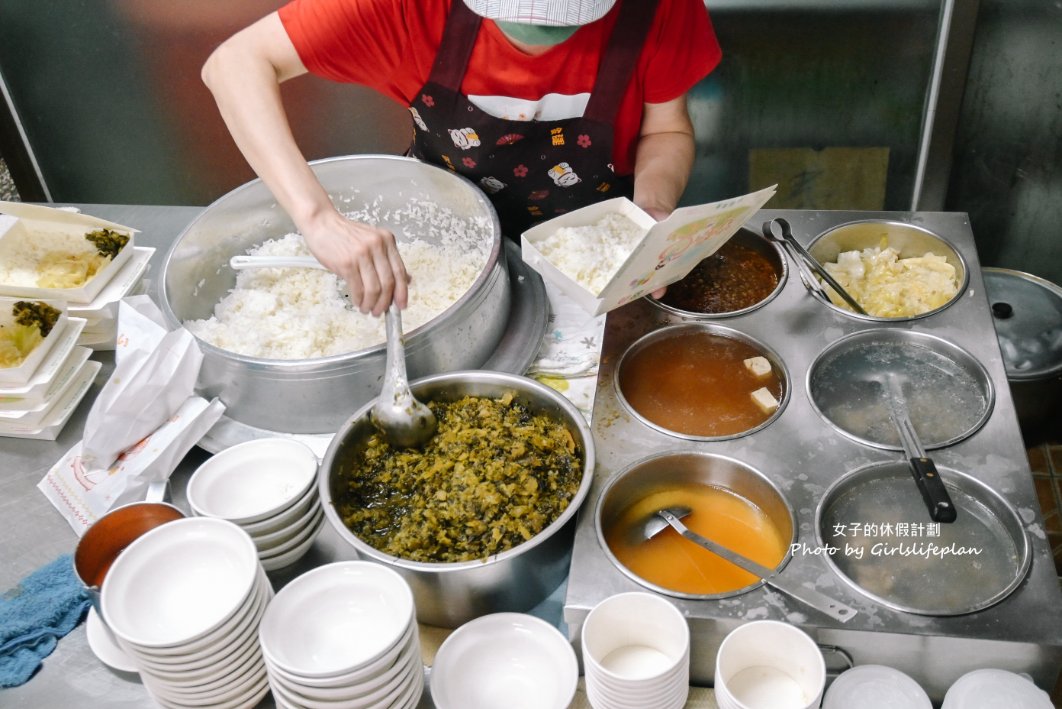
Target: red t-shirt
(390,45)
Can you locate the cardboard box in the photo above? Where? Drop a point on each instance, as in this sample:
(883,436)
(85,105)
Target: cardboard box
(666,253)
(20,222)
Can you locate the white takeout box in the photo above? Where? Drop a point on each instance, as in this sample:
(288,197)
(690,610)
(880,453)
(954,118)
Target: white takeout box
(47,424)
(667,253)
(40,392)
(105,305)
(20,221)
(24,372)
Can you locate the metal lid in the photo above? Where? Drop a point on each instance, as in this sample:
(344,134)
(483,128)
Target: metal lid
(1027,313)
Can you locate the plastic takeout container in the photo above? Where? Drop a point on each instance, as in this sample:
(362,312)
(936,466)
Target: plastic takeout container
(667,252)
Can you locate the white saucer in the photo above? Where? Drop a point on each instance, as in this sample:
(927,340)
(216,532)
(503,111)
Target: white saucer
(103,645)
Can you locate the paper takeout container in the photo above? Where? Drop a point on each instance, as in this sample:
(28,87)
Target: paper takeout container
(20,222)
(40,391)
(23,373)
(50,423)
(666,253)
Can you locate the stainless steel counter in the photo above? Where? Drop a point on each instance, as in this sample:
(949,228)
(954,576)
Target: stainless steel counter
(803,455)
(1023,633)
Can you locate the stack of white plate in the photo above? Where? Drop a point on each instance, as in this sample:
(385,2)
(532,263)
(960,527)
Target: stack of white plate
(185,602)
(38,396)
(266,486)
(344,635)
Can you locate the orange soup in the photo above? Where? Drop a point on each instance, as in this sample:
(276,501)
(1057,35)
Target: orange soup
(670,561)
(696,383)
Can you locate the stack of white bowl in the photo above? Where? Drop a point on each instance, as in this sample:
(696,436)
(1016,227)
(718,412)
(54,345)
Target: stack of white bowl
(636,653)
(344,636)
(267,487)
(184,602)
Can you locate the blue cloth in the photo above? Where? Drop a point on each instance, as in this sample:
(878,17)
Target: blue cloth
(45,606)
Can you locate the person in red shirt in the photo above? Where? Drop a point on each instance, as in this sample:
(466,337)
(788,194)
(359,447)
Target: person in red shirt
(548,105)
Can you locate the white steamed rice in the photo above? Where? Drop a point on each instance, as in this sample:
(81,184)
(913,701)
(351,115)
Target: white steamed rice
(300,313)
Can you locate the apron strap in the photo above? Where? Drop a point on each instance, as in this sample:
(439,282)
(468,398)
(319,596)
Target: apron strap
(455,49)
(620,59)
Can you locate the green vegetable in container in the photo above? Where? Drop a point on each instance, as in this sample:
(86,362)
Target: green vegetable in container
(492,477)
(107,241)
(33,321)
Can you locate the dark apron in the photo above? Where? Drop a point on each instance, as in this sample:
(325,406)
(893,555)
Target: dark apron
(531,170)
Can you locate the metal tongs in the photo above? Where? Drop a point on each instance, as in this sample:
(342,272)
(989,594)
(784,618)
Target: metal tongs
(808,266)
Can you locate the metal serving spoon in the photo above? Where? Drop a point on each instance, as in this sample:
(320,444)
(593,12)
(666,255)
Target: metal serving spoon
(403,420)
(672,516)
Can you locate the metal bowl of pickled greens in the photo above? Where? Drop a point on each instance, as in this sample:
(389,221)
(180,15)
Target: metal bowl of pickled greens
(480,519)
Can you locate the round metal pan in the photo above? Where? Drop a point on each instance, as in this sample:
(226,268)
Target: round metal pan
(946,390)
(880,540)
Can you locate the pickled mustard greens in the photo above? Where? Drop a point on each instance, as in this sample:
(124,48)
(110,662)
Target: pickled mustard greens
(107,241)
(33,321)
(493,476)
(67,269)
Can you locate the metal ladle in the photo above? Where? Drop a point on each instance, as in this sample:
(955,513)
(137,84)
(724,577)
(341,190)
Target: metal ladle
(403,420)
(672,516)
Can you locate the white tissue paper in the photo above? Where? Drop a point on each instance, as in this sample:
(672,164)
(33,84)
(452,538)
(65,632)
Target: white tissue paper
(143,422)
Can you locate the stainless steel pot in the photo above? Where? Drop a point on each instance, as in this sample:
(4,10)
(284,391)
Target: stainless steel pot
(317,395)
(449,594)
(1027,314)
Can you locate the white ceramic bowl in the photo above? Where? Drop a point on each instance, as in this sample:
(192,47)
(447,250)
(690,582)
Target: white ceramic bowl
(380,696)
(336,618)
(236,630)
(283,540)
(253,480)
(504,660)
(364,689)
(363,675)
(298,509)
(180,581)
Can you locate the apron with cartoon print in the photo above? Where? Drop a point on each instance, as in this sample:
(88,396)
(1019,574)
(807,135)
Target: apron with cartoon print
(531,170)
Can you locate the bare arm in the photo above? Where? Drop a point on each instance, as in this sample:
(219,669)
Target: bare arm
(245,74)
(664,157)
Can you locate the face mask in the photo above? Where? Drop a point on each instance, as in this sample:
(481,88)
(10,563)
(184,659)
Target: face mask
(540,35)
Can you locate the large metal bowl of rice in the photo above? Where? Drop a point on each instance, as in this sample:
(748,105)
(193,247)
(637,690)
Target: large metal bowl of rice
(494,494)
(281,348)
